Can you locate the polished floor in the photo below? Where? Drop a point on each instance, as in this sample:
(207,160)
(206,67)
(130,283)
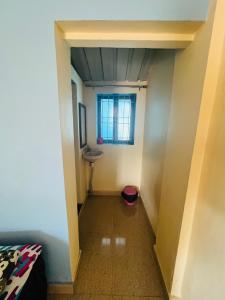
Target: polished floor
(118,261)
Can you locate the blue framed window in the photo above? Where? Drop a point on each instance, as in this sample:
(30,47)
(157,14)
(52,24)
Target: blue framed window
(116,118)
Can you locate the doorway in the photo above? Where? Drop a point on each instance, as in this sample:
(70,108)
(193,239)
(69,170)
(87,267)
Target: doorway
(142,39)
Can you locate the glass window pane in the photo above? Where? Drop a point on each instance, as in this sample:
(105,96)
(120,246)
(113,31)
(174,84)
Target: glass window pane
(124,116)
(107,118)
(116,118)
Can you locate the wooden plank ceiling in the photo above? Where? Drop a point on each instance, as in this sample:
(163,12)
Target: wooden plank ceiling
(111,64)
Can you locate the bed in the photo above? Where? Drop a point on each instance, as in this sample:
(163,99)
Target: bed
(27,280)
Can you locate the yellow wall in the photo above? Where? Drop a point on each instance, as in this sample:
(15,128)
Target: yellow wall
(204,267)
(66,121)
(157,111)
(205,271)
(80,166)
(189,75)
(121,164)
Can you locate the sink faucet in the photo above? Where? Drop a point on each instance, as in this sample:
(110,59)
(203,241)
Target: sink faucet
(87,148)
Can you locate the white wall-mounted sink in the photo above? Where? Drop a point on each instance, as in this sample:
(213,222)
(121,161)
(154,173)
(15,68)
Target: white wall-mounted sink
(91,155)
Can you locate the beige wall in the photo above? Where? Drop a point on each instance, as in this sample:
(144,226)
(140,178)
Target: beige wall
(158,98)
(121,164)
(205,271)
(67,133)
(205,267)
(189,75)
(80,166)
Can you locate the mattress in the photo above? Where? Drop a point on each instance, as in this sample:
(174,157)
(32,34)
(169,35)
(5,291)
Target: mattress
(28,279)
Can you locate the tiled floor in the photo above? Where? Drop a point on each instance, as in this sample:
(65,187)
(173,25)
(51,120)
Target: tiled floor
(118,261)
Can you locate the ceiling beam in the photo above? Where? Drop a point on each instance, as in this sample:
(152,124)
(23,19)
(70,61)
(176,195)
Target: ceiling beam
(125,34)
(136,84)
(162,41)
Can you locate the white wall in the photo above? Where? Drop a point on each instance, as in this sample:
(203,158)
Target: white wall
(121,164)
(157,112)
(31,167)
(80,166)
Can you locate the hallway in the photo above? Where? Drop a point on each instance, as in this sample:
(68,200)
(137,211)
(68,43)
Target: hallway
(117,259)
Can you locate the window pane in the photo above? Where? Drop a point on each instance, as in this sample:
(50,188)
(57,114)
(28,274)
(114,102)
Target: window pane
(124,116)
(107,118)
(116,118)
